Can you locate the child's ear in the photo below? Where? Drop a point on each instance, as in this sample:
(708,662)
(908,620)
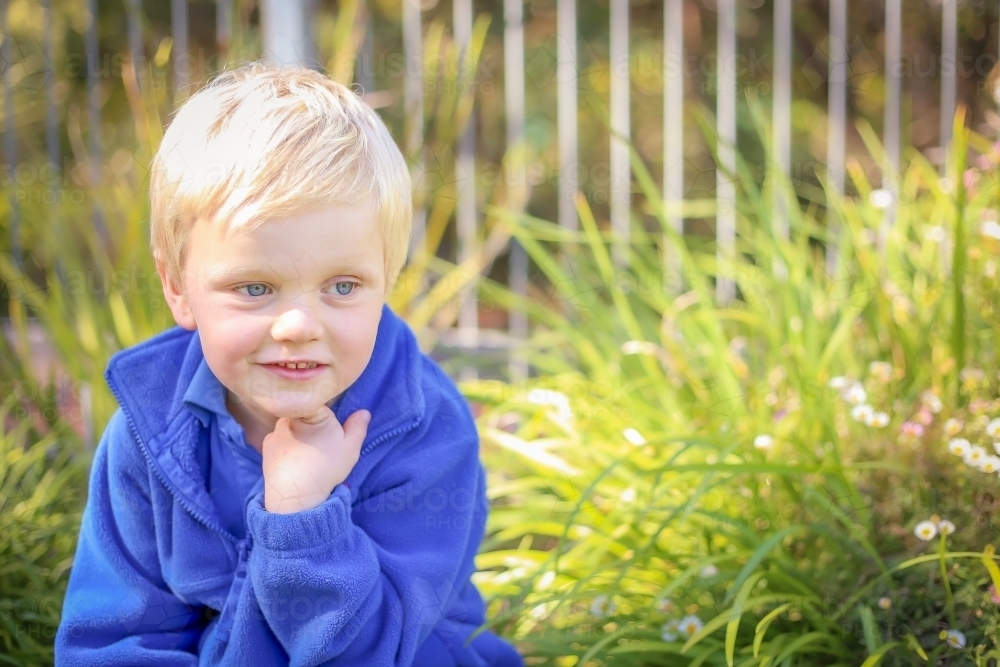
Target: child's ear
(176,298)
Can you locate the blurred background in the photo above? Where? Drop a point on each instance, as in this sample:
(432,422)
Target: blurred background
(718,278)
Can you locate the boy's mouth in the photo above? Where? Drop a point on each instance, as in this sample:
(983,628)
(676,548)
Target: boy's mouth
(294,364)
(303,370)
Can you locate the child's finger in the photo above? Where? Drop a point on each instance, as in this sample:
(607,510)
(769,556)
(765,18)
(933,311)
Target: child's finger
(356,426)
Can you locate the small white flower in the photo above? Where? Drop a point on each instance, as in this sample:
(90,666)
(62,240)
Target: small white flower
(945,527)
(885,603)
(974,456)
(952,427)
(993,429)
(669,631)
(763,441)
(665,605)
(602,607)
(991,229)
(996,447)
(708,571)
(972,376)
(839,382)
(855,394)
(955,639)
(880,198)
(639,347)
(959,446)
(689,625)
(878,420)
(634,437)
(932,402)
(881,370)
(554,398)
(936,233)
(925,530)
(990,464)
(862,413)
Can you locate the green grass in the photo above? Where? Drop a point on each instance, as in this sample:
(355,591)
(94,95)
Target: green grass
(802,540)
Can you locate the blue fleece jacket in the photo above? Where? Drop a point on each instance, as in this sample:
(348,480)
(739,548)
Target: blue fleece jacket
(378,574)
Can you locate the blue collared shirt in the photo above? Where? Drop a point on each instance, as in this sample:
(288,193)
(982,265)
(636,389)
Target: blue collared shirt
(231,467)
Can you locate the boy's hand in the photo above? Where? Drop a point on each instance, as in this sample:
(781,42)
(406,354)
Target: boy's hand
(305,458)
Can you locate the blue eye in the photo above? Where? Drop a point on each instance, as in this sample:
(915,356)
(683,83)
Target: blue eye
(254,289)
(341,287)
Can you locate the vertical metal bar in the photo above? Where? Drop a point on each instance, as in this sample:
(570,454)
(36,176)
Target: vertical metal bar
(413,103)
(949,63)
(182,59)
(364,63)
(837,112)
(673,135)
(94,110)
(284,31)
(566,75)
(53,177)
(51,110)
(465,178)
(133,8)
(10,148)
(93,94)
(621,173)
(517,181)
(890,177)
(223,30)
(87,415)
(781,112)
(725,191)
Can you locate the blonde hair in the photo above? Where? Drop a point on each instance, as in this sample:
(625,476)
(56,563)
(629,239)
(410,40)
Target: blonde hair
(262,142)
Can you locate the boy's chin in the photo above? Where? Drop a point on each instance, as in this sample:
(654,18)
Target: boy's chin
(295,410)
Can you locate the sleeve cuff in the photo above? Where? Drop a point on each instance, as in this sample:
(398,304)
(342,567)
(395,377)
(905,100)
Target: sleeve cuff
(300,531)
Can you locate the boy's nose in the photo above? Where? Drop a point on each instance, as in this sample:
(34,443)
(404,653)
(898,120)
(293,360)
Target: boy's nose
(297,323)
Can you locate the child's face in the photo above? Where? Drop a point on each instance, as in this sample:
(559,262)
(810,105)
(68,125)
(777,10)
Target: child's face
(308,287)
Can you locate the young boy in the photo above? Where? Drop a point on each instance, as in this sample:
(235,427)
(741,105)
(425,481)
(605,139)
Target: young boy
(231,519)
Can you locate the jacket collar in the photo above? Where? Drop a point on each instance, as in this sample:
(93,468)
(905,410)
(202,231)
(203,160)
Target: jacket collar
(152,379)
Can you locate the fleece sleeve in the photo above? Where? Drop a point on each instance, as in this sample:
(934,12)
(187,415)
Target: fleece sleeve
(117,609)
(364,586)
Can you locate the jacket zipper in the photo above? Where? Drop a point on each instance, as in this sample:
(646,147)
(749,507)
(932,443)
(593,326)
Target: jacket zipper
(391,434)
(167,483)
(225,622)
(228,614)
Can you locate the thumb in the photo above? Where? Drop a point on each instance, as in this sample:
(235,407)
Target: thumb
(356,426)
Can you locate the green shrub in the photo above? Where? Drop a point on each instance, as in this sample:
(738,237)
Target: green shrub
(690,483)
(42,488)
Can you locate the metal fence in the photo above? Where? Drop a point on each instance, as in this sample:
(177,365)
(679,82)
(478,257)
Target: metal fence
(286,38)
